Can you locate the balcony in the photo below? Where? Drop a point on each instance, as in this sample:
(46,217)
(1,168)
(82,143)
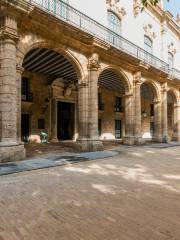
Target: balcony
(72,16)
(174,73)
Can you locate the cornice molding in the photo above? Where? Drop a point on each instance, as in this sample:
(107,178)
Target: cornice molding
(115,7)
(166,16)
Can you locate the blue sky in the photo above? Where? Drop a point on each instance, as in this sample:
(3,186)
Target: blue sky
(173,6)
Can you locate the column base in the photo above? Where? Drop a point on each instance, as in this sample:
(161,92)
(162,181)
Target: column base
(139,141)
(176,138)
(157,139)
(89,145)
(54,140)
(165,139)
(129,140)
(134,141)
(10,152)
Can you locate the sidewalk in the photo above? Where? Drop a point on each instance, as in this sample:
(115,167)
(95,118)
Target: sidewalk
(52,160)
(163,145)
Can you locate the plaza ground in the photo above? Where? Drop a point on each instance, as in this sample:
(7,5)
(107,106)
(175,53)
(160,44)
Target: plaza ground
(132,196)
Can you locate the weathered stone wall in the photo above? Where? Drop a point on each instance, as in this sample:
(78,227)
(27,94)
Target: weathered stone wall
(108,115)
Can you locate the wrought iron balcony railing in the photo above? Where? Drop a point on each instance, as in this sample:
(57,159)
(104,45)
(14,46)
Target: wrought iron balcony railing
(174,73)
(74,17)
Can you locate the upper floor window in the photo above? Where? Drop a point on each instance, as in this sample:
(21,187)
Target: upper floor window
(100,103)
(170,59)
(118,104)
(25,93)
(114,23)
(148,44)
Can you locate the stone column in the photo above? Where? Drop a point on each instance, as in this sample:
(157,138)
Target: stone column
(176,133)
(54,120)
(89,139)
(19,71)
(164,120)
(129,138)
(157,121)
(93,68)
(10,149)
(137,108)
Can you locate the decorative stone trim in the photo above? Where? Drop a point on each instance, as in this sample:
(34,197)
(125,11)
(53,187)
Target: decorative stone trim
(171,48)
(144,65)
(164,88)
(82,84)
(137,6)
(148,29)
(94,62)
(178,19)
(113,6)
(138,78)
(19,69)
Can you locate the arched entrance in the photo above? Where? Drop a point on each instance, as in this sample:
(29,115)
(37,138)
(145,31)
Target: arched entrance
(111,104)
(150,113)
(48,95)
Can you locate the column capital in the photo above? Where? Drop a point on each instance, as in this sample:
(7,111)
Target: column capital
(177,105)
(19,69)
(164,88)
(8,30)
(7,35)
(129,94)
(93,63)
(137,78)
(82,85)
(157,101)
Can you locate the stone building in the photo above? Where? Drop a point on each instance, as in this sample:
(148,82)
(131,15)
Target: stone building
(112,78)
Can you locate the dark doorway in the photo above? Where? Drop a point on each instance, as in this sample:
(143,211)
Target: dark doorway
(65,121)
(117,129)
(24,127)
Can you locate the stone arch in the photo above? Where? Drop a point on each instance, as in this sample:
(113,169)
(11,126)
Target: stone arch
(122,77)
(150,110)
(117,14)
(23,49)
(174,95)
(172,113)
(154,89)
(113,98)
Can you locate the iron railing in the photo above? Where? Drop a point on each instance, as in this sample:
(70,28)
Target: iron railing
(72,16)
(174,73)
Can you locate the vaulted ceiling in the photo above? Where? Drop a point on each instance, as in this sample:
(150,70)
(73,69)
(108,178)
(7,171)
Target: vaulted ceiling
(50,63)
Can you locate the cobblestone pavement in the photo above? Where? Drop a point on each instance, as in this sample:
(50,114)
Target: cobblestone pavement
(132,196)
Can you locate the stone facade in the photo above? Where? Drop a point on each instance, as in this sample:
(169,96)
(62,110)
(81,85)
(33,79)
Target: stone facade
(66,68)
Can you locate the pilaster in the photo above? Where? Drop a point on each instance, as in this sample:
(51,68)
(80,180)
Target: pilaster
(83,110)
(54,120)
(164,120)
(129,138)
(19,71)
(157,121)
